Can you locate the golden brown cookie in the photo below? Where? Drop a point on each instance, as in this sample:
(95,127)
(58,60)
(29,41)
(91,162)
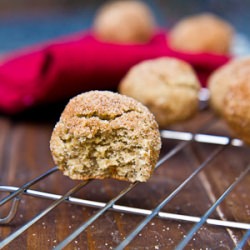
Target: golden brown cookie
(102,134)
(167,86)
(230,95)
(233,73)
(237,110)
(124,22)
(202,33)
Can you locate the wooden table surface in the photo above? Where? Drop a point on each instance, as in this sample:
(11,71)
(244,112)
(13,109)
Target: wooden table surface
(24,154)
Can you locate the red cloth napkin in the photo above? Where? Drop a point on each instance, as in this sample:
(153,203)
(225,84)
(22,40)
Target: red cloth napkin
(61,69)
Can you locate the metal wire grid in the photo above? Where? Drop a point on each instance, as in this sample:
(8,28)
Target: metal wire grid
(185,138)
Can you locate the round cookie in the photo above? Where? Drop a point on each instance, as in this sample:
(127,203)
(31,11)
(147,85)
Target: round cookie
(124,22)
(237,110)
(102,134)
(202,33)
(233,73)
(230,96)
(167,86)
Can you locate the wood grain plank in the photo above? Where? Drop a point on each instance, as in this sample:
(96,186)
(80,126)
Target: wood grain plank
(24,151)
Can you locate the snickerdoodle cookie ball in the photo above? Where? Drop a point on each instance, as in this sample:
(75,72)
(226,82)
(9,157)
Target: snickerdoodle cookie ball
(124,22)
(230,95)
(167,86)
(220,82)
(102,134)
(202,33)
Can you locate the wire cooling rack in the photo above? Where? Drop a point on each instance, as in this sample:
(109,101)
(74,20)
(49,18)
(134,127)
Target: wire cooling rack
(184,139)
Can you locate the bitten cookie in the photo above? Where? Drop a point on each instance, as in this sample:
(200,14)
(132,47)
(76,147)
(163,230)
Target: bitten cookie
(124,22)
(202,33)
(167,86)
(102,134)
(230,96)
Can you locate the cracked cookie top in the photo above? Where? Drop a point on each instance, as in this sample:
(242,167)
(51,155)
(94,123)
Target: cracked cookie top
(102,134)
(168,86)
(104,109)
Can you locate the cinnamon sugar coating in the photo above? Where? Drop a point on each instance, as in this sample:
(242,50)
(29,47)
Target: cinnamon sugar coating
(230,96)
(167,86)
(124,22)
(235,72)
(106,135)
(202,33)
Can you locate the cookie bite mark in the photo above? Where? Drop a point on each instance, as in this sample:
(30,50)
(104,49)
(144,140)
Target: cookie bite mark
(106,135)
